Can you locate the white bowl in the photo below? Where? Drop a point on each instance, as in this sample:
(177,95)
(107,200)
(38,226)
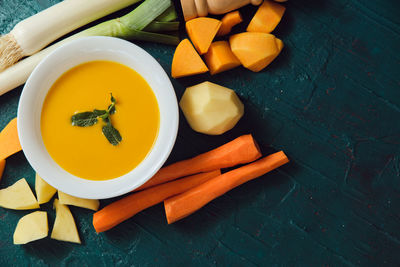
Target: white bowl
(53,66)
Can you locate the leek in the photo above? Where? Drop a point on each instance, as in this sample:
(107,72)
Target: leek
(39,30)
(168,15)
(127,27)
(160,26)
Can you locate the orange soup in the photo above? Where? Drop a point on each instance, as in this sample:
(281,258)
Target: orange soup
(85,151)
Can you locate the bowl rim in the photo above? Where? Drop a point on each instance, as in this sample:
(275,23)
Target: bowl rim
(35,90)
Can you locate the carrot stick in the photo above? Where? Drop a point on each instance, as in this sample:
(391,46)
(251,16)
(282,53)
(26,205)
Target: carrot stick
(2,166)
(125,208)
(184,204)
(9,141)
(243,149)
(228,21)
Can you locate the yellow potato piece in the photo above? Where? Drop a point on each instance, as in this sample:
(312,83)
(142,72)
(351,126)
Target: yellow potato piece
(210,108)
(92,204)
(44,191)
(64,228)
(31,227)
(18,196)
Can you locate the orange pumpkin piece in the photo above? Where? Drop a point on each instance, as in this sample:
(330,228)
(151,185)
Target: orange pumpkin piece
(201,32)
(228,21)
(2,166)
(220,58)
(255,50)
(9,141)
(186,61)
(267,17)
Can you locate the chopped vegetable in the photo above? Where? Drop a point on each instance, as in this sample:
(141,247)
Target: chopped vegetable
(228,21)
(37,31)
(183,205)
(18,196)
(64,228)
(243,149)
(186,61)
(125,208)
(2,166)
(201,32)
(92,204)
(31,227)
(210,108)
(44,191)
(128,27)
(267,17)
(9,140)
(255,50)
(220,58)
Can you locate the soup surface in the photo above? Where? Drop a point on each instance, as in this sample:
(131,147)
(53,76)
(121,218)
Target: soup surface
(85,151)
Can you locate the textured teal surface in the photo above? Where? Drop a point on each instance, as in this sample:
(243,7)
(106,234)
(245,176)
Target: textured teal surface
(331,100)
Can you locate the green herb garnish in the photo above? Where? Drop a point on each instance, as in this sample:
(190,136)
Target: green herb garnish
(89,118)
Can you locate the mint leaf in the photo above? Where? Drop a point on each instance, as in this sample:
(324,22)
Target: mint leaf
(84,119)
(88,118)
(99,113)
(112,134)
(111,109)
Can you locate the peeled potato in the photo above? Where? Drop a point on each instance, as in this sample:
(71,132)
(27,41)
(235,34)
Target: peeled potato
(18,196)
(44,191)
(210,108)
(92,204)
(31,227)
(64,228)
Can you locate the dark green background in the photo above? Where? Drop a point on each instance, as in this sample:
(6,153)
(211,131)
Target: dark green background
(331,101)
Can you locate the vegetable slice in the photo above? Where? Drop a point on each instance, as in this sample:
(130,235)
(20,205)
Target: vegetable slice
(9,140)
(44,191)
(125,208)
(92,204)
(31,227)
(267,17)
(18,196)
(220,58)
(201,32)
(228,21)
(182,205)
(186,61)
(243,149)
(255,50)
(64,228)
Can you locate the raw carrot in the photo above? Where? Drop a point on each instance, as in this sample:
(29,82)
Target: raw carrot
(243,149)
(228,21)
(9,141)
(2,166)
(125,208)
(188,202)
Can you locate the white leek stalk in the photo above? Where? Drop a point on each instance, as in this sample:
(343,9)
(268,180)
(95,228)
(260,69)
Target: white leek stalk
(127,27)
(37,31)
